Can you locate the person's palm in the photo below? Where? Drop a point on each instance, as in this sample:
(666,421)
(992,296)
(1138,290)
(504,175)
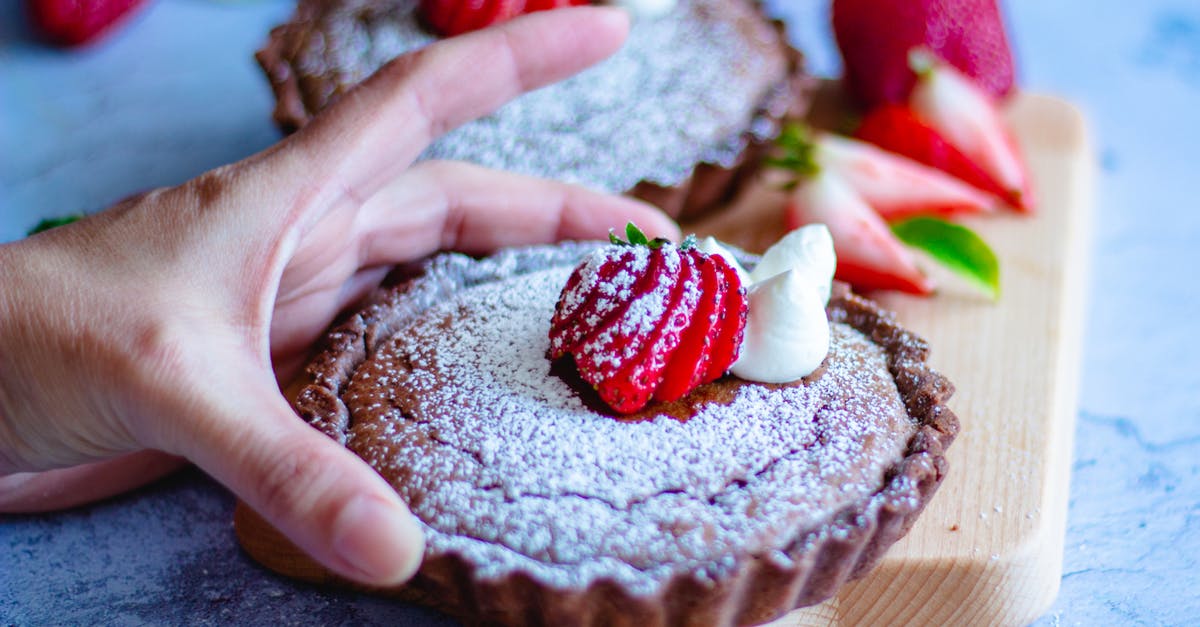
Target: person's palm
(164,323)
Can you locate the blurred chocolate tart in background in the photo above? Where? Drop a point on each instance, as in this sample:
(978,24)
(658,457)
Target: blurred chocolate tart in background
(679,116)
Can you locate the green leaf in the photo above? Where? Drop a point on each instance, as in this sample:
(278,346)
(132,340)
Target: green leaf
(638,238)
(956,247)
(797,151)
(635,235)
(50,223)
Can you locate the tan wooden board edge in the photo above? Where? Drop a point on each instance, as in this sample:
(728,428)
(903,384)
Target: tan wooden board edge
(988,548)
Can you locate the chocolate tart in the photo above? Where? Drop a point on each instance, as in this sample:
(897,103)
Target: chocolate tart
(733,505)
(678,116)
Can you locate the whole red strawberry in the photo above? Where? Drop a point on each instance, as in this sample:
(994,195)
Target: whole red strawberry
(455,17)
(876,36)
(77,22)
(648,319)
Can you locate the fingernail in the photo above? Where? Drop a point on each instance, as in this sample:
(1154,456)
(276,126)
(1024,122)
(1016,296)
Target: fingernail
(379,538)
(616,16)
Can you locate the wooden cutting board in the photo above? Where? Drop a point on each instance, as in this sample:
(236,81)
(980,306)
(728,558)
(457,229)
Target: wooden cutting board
(988,548)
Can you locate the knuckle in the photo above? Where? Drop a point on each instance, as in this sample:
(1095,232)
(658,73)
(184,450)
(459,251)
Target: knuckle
(155,351)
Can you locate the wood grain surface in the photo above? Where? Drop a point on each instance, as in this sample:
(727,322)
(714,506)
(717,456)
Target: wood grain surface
(988,549)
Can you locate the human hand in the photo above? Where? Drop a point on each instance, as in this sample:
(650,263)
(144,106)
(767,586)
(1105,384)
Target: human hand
(155,331)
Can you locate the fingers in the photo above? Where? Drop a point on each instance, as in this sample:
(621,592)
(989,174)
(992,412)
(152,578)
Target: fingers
(326,500)
(453,205)
(68,487)
(299,320)
(377,129)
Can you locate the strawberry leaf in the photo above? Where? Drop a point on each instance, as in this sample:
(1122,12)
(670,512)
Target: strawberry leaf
(797,151)
(50,223)
(636,238)
(635,235)
(954,246)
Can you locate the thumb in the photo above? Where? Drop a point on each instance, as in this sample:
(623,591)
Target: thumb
(320,495)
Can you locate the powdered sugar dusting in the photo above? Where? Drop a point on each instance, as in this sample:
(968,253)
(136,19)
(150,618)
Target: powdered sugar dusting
(681,91)
(505,465)
(609,348)
(603,281)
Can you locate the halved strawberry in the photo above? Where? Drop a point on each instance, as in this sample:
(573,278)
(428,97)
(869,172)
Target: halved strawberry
(843,184)
(897,129)
(967,117)
(897,187)
(868,255)
(689,364)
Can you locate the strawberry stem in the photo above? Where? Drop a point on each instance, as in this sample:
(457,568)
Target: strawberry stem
(797,152)
(637,238)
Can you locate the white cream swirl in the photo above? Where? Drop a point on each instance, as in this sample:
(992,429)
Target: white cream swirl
(787,333)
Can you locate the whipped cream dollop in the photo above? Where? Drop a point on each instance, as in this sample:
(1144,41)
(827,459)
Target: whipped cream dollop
(787,333)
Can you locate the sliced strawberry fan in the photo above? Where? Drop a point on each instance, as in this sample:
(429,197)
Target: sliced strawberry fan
(677,326)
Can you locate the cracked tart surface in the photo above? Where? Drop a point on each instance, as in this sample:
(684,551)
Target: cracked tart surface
(731,505)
